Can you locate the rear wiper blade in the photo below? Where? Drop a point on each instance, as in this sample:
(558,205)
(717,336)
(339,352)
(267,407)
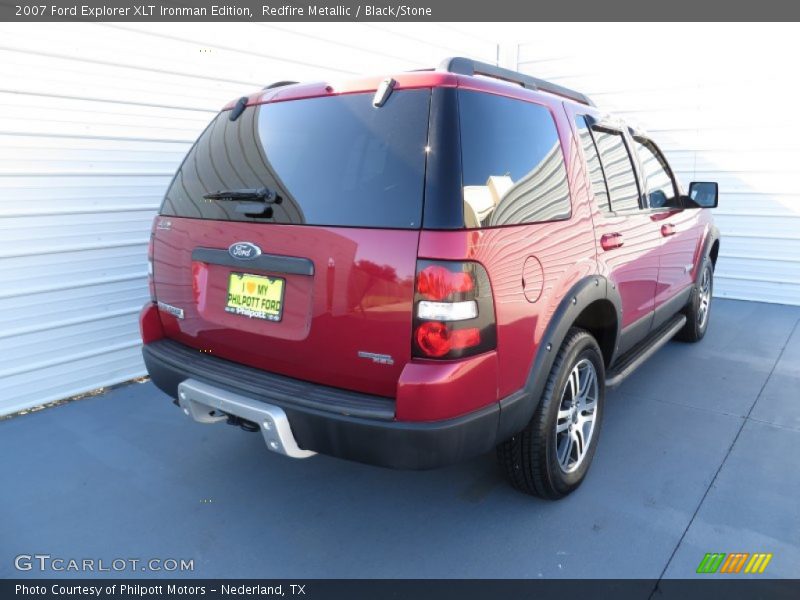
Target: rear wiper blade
(263,194)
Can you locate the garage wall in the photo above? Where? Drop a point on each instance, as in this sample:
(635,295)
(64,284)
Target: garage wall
(94,119)
(718,99)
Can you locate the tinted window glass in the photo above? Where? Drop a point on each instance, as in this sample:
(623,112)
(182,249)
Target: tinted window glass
(334,161)
(618,169)
(657,181)
(596,176)
(513,166)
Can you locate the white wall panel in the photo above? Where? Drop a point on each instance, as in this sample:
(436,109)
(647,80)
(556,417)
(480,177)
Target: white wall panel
(713,97)
(94,120)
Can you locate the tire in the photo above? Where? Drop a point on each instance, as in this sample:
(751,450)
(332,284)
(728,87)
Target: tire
(536,460)
(698,310)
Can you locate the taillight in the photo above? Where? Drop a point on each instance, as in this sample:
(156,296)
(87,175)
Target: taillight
(150,253)
(453,310)
(437,339)
(437,282)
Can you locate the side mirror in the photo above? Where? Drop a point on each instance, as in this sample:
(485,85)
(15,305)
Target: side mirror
(658,199)
(703,194)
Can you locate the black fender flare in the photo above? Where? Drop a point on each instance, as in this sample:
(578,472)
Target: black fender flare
(517,409)
(712,236)
(705,255)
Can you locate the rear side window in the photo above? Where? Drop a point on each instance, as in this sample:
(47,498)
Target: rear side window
(512,162)
(618,169)
(335,161)
(596,175)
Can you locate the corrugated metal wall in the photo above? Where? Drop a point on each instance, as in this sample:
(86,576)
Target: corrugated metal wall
(94,121)
(718,99)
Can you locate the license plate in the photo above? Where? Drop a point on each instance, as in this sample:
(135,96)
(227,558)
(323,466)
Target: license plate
(255,296)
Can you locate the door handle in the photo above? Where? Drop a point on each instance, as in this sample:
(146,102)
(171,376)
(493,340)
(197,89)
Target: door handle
(609,241)
(667,229)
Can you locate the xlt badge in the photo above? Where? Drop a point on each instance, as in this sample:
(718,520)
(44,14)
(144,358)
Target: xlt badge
(381,359)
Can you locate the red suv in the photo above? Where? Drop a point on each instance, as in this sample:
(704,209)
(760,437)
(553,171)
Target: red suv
(414,270)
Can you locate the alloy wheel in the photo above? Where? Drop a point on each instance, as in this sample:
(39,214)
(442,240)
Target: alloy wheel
(704,299)
(577,413)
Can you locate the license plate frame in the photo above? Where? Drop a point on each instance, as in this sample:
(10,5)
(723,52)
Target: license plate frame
(258,310)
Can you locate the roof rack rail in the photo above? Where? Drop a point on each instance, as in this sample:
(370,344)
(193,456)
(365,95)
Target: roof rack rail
(278,84)
(467,66)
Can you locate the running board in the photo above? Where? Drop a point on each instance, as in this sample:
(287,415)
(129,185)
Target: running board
(633,359)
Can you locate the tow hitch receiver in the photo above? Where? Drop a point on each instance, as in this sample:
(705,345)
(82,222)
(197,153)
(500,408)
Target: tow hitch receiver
(208,404)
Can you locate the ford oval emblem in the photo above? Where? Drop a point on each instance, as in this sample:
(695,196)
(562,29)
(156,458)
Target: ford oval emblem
(244,251)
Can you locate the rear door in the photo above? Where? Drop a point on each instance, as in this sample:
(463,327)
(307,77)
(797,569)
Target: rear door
(312,277)
(627,239)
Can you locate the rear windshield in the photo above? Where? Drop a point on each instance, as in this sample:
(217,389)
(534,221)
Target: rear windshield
(335,161)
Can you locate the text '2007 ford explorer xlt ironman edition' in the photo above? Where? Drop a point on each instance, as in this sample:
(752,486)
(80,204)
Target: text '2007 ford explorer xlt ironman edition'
(411,271)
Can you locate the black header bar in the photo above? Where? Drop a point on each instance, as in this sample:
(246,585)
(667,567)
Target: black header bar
(399,589)
(398,11)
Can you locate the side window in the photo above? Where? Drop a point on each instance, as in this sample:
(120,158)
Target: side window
(512,162)
(618,168)
(596,175)
(658,182)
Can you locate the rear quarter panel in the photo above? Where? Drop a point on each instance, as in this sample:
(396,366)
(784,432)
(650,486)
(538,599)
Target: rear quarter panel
(564,249)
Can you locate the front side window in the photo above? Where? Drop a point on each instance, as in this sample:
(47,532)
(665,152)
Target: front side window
(512,162)
(656,177)
(618,168)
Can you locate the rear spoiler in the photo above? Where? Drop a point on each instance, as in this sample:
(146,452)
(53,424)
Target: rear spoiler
(467,66)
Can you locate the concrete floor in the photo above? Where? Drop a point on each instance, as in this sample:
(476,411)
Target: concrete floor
(700,452)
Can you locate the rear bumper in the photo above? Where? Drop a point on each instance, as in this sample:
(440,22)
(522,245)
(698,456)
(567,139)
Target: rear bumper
(330,421)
